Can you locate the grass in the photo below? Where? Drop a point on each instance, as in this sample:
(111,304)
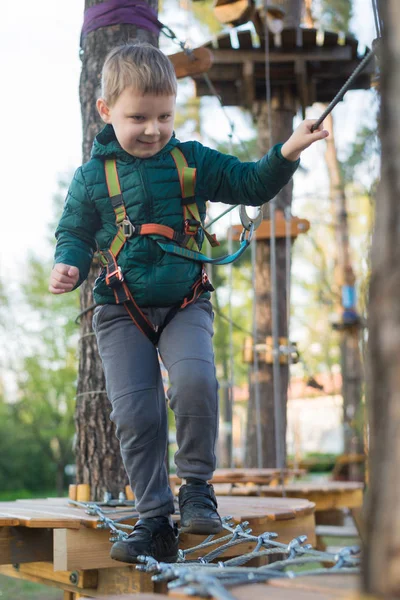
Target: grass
(11,495)
(17,589)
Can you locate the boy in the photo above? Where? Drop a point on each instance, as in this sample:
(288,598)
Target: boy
(136,191)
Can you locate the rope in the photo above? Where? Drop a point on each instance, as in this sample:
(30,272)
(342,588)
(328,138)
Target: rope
(231,349)
(377,19)
(91,393)
(278,421)
(256,367)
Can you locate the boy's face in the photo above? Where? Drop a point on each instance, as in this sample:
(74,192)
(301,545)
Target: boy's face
(143,124)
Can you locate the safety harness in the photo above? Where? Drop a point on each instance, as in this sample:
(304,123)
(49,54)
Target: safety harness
(125,230)
(180,243)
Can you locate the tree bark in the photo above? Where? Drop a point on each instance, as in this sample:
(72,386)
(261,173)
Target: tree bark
(344,275)
(381,573)
(98,459)
(283,109)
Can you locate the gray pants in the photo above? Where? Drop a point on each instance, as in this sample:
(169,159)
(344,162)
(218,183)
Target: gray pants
(135,389)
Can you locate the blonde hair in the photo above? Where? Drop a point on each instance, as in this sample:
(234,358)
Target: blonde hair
(141,66)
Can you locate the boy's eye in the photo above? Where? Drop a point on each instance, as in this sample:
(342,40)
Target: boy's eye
(137,117)
(165,117)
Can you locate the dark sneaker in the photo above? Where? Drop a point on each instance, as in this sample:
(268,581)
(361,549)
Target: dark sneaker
(198,508)
(151,537)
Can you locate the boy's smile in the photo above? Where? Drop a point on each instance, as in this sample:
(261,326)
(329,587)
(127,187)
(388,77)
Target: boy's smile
(143,124)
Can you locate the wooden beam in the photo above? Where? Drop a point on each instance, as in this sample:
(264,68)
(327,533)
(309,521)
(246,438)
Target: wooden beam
(197,62)
(300,69)
(248,84)
(23,544)
(235,13)
(43,572)
(82,548)
(297,226)
(340,53)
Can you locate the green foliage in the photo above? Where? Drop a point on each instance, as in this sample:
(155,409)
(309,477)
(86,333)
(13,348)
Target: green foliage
(37,426)
(333,15)
(10,589)
(365,147)
(22,464)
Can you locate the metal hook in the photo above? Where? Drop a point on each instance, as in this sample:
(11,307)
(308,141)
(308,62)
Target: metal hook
(247,222)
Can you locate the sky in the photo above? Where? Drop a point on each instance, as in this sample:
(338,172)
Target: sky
(41,125)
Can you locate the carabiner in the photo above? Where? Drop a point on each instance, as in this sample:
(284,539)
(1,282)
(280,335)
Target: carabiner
(246,221)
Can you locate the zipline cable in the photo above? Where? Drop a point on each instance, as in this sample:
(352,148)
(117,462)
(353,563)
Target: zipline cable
(276,383)
(343,90)
(231,348)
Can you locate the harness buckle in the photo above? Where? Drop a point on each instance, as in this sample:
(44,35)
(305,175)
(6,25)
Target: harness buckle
(205,282)
(114,277)
(127,228)
(191,226)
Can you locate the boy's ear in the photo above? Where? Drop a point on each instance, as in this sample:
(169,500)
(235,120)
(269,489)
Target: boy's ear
(103,110)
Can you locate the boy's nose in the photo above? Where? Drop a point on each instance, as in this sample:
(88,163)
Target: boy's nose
(152,128)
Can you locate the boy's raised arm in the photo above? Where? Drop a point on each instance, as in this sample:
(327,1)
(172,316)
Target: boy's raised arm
(224,178)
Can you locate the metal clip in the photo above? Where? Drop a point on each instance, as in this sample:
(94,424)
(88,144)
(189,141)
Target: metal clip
(127,228)
(247,222)
(114,276)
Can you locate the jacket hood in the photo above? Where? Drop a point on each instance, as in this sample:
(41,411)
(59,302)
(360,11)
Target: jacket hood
(106,145)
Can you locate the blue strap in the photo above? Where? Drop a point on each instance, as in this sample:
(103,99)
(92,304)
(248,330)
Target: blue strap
(198,256)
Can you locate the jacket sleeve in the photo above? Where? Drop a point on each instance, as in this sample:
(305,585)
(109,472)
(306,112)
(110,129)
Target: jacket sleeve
(76,230)
(224,178)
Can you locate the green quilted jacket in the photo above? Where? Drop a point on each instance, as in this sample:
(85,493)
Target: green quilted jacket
(152,194)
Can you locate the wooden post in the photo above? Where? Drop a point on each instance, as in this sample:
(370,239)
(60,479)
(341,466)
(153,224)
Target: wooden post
(381,573)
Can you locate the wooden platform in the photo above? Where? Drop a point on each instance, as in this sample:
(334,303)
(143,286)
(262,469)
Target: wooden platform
(327,495)
(55,543)
(247,476)
(319,587)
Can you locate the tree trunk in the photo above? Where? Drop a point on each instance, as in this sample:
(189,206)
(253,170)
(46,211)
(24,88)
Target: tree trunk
(381,573)
(98,457)
(283,108)
(350,335)
(282,113)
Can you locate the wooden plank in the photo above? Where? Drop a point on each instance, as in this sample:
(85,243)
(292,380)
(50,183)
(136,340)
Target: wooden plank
(338,583)
(42,572)
(83,548)
(327,496)
(245,40)
(235,13)
(262,476)
(31,516)
(297,226)
(124,579)
(230,55)
(224,42)
(197,62)
(335,531)
(22,545)
(53,513)
(8,521)
(135,597)
(264,591)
